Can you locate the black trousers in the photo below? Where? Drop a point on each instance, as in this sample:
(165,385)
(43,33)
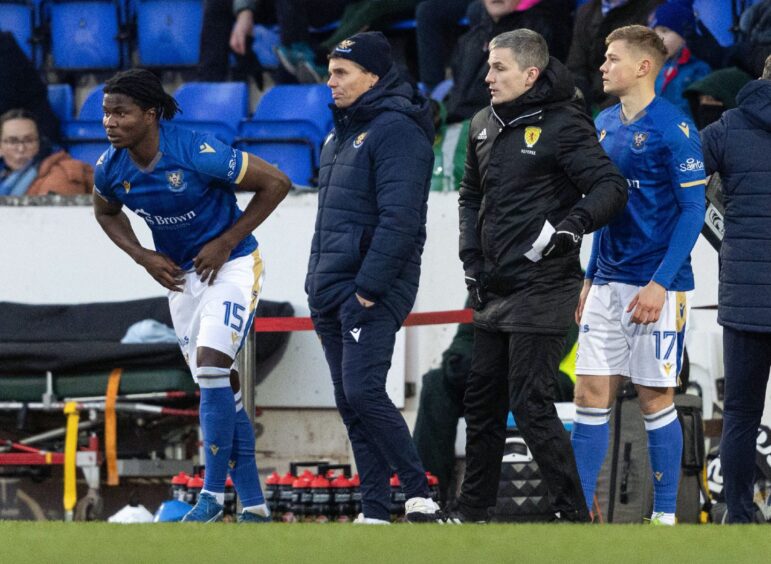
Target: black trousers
(746,359)
(517,372)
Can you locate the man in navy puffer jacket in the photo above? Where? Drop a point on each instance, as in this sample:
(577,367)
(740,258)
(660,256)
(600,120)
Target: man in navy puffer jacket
(364,266)
(737,147)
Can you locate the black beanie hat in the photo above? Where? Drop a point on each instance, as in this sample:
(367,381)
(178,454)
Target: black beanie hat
(370,50)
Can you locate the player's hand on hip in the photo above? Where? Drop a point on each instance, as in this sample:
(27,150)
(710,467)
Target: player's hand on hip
(164,270)
(647,304)
(582,299)
(210,259)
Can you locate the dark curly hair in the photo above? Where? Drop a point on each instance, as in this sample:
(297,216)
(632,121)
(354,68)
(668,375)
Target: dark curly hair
(145,89)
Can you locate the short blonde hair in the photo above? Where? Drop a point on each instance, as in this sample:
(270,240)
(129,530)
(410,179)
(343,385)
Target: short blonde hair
(642,38)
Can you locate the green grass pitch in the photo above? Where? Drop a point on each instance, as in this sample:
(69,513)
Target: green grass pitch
(399,544)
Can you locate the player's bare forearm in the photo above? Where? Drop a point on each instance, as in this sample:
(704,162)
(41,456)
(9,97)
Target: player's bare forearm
(116,225)
(270,186)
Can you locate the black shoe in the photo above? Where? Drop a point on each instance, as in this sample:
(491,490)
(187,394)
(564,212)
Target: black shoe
(461,516)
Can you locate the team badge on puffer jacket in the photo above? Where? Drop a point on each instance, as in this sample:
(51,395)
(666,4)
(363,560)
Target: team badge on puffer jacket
(359,140)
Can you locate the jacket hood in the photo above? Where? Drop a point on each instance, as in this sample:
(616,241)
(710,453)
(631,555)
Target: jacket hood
(390,94)
(754,102)
(554,86)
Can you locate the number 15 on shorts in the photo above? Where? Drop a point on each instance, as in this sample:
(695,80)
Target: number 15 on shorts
(234,317)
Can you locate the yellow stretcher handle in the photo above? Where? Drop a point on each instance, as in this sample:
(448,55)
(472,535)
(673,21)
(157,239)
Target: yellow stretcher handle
(70,454)
(111,429)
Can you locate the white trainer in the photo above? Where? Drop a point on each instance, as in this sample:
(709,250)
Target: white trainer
(362,520)
(422,510)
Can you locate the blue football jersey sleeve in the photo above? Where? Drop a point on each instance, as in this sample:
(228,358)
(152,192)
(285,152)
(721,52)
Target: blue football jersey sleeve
(218,160)
(102,185)
(686,165)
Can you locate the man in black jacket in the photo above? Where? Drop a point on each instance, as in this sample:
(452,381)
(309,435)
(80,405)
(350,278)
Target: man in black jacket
(532,155)
(468,95)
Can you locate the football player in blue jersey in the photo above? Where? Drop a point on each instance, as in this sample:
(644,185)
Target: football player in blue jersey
(182,184)
(633,305)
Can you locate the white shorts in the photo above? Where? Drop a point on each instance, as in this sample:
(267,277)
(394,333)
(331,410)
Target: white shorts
(609,343)
(217,316)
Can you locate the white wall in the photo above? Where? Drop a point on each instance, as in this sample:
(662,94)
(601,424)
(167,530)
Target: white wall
(60,255)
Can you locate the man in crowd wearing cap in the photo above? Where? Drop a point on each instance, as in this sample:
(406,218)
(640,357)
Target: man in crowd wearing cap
(365,259)
(737,146)
(536,180)
(670,21)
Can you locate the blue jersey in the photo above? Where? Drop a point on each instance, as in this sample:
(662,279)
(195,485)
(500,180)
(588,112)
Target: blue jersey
(660,155)
(186,195)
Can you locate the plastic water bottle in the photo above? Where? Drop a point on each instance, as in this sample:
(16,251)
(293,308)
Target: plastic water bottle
(179,486)
(301,498)
(230,498)
(194,487)
(272,494)
(342,498)
(285,493)
(397,499)
(321,507)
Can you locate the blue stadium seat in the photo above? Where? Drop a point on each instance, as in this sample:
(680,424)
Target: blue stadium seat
(224,102)
(85,137)
(293,157)
(221,131)
(169,32)
(18,18)
(87,151)
(61,100)
(307,102)
(85,34)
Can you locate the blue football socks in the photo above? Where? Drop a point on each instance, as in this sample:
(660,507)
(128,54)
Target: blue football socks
(665,447)
(243,468)
(590,444)
(218,416)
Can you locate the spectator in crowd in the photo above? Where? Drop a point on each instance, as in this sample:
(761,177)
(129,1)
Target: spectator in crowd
(738,148)
(21,87)
(435,33)
(297,53)
(550,18)
(682,68)
(227,28)
(752,45)
(594,21)
(29,168)
(536,180)
(364,265)
(709,97)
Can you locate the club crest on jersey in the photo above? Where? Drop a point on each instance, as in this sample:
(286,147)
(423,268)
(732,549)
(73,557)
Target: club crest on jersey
(126,186)
(602,135)
(359,140)
(532,135)
(638,139)
(176,180)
